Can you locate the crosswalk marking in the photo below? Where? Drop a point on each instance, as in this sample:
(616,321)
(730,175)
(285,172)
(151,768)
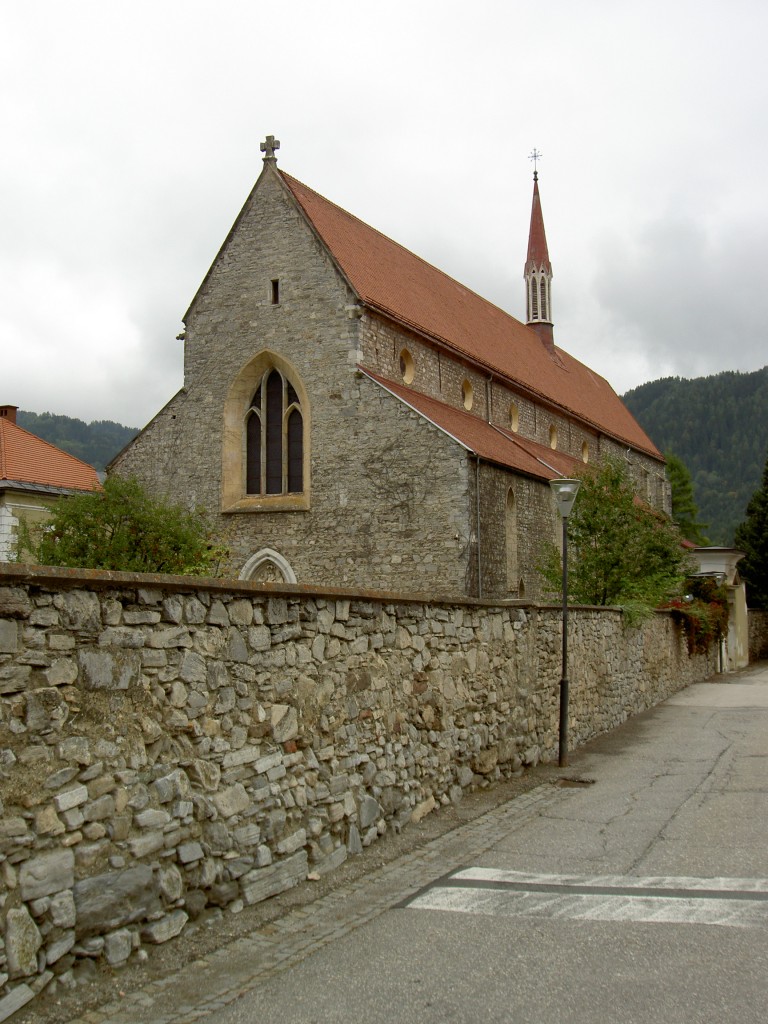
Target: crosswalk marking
(730,902)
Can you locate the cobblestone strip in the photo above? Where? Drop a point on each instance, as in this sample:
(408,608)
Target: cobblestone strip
(206,985)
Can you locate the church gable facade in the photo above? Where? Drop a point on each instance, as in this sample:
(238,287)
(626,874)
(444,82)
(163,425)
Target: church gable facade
(353,417)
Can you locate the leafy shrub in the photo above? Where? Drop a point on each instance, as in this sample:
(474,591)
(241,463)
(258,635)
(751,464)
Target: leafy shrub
(120,527)
(703,614)
(620,551)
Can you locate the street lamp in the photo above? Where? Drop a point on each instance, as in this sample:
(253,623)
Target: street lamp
(565,492)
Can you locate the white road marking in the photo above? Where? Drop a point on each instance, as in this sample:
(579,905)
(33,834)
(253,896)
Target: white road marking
(730,902)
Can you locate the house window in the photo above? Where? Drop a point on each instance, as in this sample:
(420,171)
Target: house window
(274,438)
(275,283)
(468,395)
(553,436)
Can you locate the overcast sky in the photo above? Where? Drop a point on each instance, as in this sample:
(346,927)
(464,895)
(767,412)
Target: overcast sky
(130,138)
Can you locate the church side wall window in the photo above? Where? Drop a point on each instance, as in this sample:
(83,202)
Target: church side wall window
(513,581)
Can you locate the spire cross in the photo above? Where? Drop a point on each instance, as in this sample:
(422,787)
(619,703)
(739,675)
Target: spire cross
(269,146)
(535,156)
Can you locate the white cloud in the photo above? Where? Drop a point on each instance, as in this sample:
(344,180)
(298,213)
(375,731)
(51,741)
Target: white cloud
(131,139)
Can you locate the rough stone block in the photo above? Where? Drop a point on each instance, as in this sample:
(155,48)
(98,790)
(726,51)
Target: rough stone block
(118,946)
(165,928)
(20,996)
(109,901)
(368,812)
(22,941)
(173,786)
(72,797)
(293,842)
(189,853)
(59,947)
(108,670)
(262,883)
(9,636)
(14,603)
(423,809)
(232,800)
(284,722)
(46,874)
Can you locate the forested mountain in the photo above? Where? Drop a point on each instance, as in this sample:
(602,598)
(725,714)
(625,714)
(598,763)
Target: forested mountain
(718,426)
(96,443)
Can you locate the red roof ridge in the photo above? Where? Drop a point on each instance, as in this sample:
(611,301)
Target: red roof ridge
(290,180)
(403,286)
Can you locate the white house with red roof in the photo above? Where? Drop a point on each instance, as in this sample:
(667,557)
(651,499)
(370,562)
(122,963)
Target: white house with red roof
(353,416)
(34,475)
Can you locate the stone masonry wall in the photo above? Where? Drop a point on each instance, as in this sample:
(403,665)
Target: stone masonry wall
(758,634)
(170,745)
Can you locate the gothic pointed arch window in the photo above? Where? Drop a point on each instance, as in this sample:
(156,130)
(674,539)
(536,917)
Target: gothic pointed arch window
(274,438)
(544,303)
(266,462)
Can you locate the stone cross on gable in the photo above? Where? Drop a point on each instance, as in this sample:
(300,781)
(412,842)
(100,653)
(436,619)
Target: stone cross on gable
(269,146)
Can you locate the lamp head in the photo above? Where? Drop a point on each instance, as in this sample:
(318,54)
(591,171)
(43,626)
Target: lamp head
(565,492)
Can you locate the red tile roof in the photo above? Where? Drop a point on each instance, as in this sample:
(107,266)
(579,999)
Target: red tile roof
(489,442)
(27,459)
(389,278)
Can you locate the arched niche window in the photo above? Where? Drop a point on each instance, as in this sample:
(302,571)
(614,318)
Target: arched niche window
(467,395)
(534,300)
(274,438)
(265,454)
(510,530)
(407,367)
(544,303)
(514,417)
(268,566)
(553,436)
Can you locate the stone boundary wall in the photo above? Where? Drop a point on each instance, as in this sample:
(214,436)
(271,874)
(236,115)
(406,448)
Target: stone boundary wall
(169,745)
(758,634)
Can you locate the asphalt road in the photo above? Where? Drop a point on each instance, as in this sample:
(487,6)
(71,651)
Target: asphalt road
(637,893)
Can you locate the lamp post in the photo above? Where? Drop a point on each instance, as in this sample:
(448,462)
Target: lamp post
(565,492)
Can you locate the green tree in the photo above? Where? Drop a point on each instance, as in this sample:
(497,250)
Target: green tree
(620,552)
(752,539)
(122,528)
(685,512)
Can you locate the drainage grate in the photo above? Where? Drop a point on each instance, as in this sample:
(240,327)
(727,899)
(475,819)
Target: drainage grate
(566,783)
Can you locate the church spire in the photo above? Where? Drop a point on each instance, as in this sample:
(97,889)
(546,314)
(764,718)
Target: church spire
(538,271)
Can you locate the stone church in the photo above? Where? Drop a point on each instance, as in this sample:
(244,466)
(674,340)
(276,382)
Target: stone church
(352,416)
